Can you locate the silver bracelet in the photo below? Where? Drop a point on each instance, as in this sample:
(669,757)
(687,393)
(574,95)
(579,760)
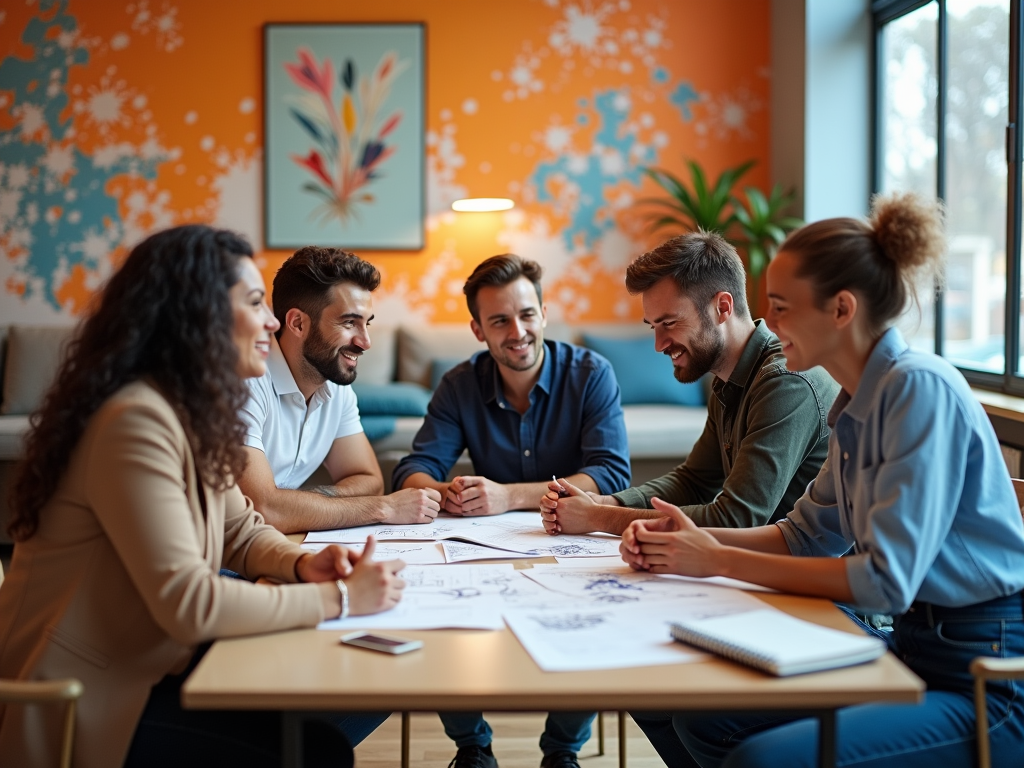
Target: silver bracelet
(343,588)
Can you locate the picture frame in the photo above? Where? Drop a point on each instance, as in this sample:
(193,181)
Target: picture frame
(344,109)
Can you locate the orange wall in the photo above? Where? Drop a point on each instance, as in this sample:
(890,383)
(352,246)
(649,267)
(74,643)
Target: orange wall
(122,117)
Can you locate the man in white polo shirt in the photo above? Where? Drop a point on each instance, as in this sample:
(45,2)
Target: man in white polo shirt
(302,413)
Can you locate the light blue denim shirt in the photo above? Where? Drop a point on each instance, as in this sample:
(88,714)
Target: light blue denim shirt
(915,483)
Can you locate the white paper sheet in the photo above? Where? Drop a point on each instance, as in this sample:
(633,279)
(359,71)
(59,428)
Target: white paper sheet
(455,596)
(412,552)
(725,581)
(721,581)
(515,531)
(622,585)
(524,532)
(439,529)
(464,551)
(586,637)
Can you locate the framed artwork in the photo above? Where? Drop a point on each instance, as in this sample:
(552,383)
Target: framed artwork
(344,129)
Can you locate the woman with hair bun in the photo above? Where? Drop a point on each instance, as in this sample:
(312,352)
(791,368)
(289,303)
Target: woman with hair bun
(125,509)
(914,491)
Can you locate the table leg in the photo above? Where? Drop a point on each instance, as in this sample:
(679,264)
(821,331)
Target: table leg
(622,739)
(291,739)
(405,739)
(827,738)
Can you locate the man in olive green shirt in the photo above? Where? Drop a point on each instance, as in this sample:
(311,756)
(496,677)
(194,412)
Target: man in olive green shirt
(766,436)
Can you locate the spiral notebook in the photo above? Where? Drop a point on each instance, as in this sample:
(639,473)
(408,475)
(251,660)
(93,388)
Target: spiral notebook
(776,642)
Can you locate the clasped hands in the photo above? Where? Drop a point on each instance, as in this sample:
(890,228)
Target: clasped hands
(574,513)
(472,495)
(373,586)
(670,544)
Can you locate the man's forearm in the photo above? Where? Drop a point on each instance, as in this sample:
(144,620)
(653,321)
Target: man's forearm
(361,484)
(423,480)
(615,520)
(293,511)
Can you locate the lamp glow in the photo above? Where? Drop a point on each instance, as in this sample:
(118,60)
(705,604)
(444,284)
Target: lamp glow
(480,204)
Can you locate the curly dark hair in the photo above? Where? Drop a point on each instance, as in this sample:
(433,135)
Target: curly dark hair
(166,314)
(305,280)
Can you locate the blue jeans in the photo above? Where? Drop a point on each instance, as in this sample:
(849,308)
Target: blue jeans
(563,731)
(938,644)
(170,736)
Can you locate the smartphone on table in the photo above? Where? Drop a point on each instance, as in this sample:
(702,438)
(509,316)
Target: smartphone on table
(382,643)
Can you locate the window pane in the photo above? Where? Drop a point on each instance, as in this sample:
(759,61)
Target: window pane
(909,135)
(978,93)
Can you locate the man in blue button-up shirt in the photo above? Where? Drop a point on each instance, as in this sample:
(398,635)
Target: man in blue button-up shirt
(526,409)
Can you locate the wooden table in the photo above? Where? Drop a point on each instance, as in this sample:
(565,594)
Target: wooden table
(307,671)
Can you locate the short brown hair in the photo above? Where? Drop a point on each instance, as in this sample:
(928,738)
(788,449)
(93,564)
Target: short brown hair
(304,281)
(701,263)
(498,271)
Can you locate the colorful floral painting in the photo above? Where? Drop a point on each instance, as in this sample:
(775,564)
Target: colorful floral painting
(341,168)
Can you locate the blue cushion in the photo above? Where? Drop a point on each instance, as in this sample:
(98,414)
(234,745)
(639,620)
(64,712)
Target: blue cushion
(377,427)
(399,398)
(644,375)
(440,367)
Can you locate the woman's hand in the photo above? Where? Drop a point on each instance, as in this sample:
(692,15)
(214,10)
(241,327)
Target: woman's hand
(331,563)
(374,586)
(677,545)
(630,547)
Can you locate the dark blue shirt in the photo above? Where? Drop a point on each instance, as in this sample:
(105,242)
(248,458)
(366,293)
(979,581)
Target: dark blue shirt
(574,423)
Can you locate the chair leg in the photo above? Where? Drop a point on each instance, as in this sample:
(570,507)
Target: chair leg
(69,735)
(981,721)
(622,740)
(405,739)
(600,733)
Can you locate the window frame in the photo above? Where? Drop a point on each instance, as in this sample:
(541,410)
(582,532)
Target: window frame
(884,12)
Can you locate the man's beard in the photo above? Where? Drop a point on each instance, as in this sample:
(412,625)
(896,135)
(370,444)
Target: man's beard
(706,351)
(326,360)
(509,362)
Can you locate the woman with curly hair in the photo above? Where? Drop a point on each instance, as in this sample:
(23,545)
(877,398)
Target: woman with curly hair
(914,491)
(126,508)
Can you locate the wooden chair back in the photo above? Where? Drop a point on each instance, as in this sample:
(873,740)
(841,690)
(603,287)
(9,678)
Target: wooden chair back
(1018,487)
(48,692)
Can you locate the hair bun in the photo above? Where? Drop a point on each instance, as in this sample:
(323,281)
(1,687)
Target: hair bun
(909,229)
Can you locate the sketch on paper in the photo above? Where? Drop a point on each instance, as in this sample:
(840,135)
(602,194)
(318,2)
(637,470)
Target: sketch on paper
(440,597)
(623,585)
(566,638)
(520,532)
(412,552)
(439,529)
(569,622)
(456,551)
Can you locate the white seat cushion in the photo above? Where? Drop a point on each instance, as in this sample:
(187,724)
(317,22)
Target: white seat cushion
(12,437)
(663,431)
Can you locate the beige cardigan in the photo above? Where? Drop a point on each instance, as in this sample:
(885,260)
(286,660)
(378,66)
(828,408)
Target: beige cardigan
(121,581)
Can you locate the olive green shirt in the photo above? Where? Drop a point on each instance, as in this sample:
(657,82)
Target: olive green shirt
(765,439)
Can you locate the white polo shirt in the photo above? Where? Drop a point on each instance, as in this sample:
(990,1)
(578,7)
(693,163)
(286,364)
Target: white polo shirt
(295,437)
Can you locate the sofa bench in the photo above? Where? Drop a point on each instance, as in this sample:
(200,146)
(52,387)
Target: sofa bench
(406,359)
